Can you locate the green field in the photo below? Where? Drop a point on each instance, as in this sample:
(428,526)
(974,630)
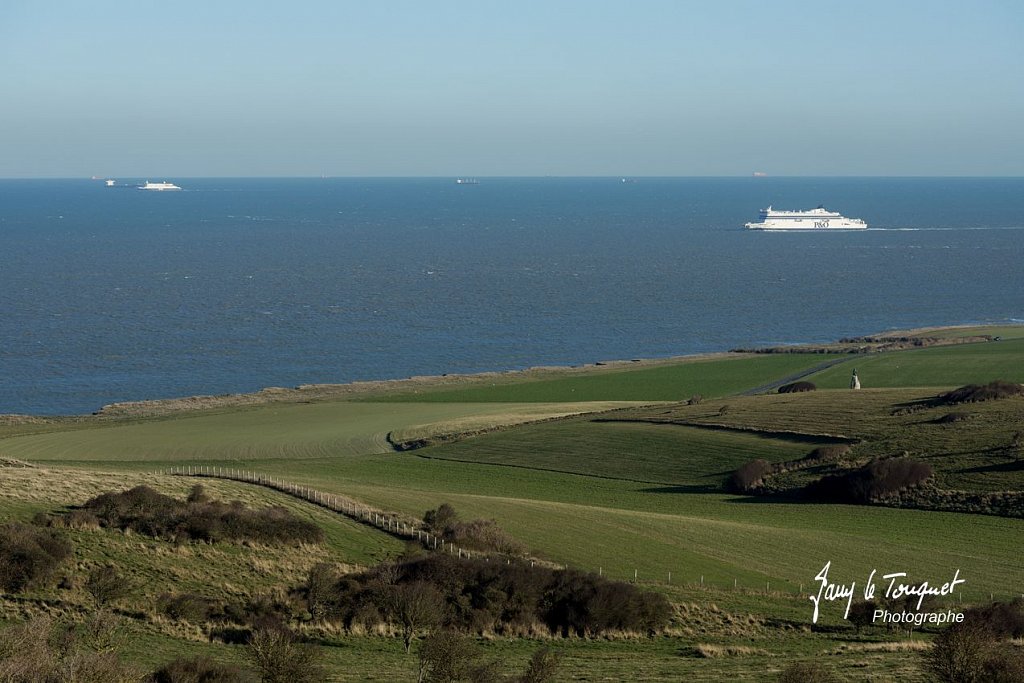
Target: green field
(937,366)
(719,376)
(632,491)
(294,431)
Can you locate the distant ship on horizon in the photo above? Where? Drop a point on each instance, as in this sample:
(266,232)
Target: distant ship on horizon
(467,181)
(159,186)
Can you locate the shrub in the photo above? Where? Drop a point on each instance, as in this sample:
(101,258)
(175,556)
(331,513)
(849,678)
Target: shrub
(484,534)
(542,668)
(106,584)
(198,670)
(975,393)
(748,476)
(29,556)
(477,534)
(280,658)
(797,387)
(189,607)
(960,653)
(877,478)
(446,657)
(806,672)
(1004,619)
(40,651)
(145,511)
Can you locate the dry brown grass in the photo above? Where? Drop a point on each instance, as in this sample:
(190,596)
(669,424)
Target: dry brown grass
(709,651)
(895,646)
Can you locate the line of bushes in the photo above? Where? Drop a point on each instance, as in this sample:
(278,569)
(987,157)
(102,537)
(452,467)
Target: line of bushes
(750,477)
(975,393)
(878,478)
(479,596)
(148,512)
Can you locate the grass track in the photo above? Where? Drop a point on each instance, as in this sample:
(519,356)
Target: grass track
(291,431)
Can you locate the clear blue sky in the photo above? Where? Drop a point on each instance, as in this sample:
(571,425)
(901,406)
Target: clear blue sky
(413,88)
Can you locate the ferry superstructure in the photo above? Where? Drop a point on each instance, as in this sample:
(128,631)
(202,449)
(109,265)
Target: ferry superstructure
(159,186)
(812,219)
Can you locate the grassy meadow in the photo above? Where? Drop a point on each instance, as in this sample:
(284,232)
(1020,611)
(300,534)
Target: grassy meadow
(607,471)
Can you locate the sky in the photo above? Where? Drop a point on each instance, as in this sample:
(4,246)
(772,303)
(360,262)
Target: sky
(526,88)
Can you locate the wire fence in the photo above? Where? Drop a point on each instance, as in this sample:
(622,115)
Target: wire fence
(396,525)
(410,529)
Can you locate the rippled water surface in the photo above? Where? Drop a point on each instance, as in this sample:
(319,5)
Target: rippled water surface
(230,285)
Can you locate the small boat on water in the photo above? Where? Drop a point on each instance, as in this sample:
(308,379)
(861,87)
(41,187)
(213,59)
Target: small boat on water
(467,181)
(159,186)
(812,219)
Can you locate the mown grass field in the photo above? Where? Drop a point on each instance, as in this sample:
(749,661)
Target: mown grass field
(719,376)
(937,366)
(333,429)
(616,496)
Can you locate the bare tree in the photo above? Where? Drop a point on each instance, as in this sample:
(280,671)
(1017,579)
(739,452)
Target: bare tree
(413,607)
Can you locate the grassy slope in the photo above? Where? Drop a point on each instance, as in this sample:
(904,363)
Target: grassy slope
(620,525)
(973,455)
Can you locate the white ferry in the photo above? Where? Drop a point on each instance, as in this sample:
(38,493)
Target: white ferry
(813,219)
(159,186)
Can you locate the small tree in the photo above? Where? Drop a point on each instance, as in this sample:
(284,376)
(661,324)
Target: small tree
(442,518)
(413,607)
(862,614)
(321,590)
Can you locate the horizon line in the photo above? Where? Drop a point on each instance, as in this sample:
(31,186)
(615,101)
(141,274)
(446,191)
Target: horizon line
(501,177)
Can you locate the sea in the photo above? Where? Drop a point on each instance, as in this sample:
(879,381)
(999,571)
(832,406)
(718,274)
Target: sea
(231,285)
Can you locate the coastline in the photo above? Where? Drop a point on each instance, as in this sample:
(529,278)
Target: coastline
(363,389)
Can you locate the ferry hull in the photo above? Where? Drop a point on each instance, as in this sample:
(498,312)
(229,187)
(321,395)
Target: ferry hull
(833,226)
(813,220)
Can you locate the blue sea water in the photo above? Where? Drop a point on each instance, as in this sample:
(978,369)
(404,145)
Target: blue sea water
(110,294)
